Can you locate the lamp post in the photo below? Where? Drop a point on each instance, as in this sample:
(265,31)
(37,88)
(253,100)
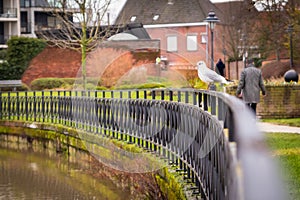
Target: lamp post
(290,31)
(291,75)
(212,19)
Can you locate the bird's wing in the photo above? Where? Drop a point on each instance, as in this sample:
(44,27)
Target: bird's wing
(215,76)
(207,75)
(203,77)
(201,66)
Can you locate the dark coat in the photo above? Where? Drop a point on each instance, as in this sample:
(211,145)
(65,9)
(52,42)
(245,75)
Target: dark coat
(251,83)
(220,68)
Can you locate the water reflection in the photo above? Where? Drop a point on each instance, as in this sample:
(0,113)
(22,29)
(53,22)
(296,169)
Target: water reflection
(38,173)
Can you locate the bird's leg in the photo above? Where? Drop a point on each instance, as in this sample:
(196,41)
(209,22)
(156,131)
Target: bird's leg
(208,86)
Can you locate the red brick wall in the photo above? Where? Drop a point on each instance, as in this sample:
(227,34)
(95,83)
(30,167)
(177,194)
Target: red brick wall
(108,63)
(281,101)
(53,62)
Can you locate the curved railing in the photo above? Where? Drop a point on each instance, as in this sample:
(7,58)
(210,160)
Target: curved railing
(211,136)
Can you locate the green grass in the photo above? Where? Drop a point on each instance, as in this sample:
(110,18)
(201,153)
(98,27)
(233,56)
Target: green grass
(288,122)
(286,148)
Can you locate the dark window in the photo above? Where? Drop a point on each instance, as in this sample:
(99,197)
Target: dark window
(25,3)
(2,40)
(41,18)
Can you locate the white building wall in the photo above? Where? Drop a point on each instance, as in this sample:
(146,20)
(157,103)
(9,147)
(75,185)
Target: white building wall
(11,19)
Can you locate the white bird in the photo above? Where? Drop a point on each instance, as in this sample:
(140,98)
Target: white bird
(209,76)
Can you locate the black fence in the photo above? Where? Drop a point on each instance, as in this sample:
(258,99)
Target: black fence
(210,136)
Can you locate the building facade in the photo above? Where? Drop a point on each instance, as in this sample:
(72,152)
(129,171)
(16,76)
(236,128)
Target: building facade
(178,24)
(9,20)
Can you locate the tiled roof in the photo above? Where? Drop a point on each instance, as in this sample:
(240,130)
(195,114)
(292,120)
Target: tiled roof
(166,11)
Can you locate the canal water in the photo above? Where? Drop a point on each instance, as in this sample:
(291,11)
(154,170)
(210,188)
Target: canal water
(31,173)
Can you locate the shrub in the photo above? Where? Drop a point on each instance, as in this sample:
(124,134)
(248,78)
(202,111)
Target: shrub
(101,88)
(19,53)
(141,86)
(46,83)
(22,49)
(150,85)
(198,84)
(3,54)
(64,83)
(69,81)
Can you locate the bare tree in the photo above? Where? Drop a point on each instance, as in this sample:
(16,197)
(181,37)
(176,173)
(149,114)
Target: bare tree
(237,24)
(79,26)
(272,26)
(293,11)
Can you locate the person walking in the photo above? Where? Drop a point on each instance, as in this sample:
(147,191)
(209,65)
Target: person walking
(250,85)
(220,67)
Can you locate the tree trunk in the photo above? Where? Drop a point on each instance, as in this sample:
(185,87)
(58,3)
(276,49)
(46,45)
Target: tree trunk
(237,69)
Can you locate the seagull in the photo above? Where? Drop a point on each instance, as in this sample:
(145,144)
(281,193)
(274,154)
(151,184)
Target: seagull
(209,76)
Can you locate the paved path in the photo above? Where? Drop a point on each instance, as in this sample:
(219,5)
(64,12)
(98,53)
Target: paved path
(271,128)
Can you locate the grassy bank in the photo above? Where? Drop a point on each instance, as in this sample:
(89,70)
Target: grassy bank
(288,122)
(286,148)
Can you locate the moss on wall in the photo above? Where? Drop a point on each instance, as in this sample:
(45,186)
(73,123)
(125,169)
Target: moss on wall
(169,182)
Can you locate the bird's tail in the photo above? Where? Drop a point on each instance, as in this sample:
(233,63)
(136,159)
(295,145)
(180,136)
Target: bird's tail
(229,81)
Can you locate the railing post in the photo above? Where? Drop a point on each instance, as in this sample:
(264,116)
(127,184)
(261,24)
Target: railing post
(8,105)
(26,105)
(153,94)
(213,104)
(65,108)
(230,125)
(221,111)
(137,94)
(43,106)
(186,94)
(34,106)
(199,99)
(112,94)
(171,95)
(194,98)
(51,107)
(205,107)
(18,105)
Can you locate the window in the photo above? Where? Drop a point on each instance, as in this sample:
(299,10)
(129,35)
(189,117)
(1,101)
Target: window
(204,38)
(191,43)
(172,43)
(155,17)
(133,18)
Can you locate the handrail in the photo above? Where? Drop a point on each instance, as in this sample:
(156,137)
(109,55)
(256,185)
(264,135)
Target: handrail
(185,126)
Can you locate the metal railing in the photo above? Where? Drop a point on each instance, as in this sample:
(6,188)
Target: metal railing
(186,127)
(9,13)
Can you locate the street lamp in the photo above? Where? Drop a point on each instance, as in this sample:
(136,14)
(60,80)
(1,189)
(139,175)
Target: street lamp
(291,75)
(290,31)
(212,19)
